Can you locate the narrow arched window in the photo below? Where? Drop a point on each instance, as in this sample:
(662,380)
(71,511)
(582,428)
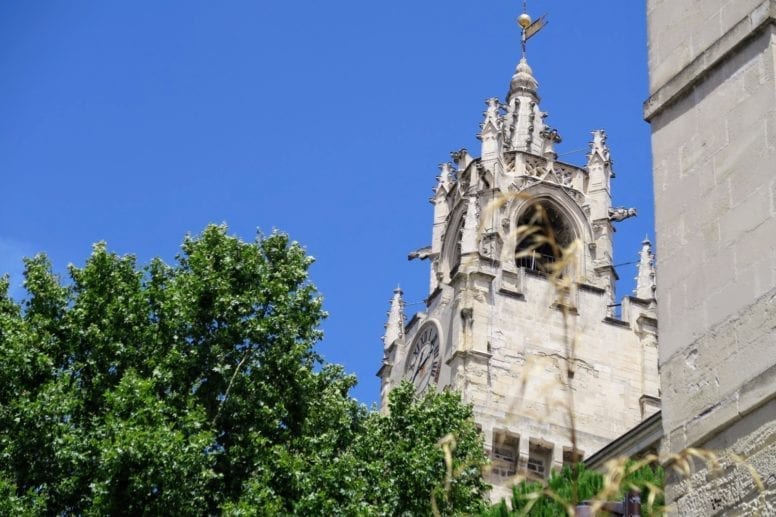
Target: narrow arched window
(543,234)
(455,252)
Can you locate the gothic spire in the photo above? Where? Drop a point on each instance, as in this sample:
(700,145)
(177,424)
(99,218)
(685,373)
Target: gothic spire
(645,281)
(445,179)
(524,120)
(523,123)
(394,327)
(523,81)
(490,129)
(599,149)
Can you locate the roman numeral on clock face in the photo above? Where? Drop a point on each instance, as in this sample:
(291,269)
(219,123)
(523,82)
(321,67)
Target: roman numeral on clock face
(423,365)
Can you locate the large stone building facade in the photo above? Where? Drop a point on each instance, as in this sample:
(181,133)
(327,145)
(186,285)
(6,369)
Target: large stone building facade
(520,313)
(712,109)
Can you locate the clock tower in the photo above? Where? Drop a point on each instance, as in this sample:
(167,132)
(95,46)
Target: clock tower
(519,317)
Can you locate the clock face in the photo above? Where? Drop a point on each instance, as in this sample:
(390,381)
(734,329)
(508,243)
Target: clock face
(424,361)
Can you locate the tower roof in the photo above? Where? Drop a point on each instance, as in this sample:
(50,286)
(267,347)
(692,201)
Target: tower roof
(394,327)
(523,80)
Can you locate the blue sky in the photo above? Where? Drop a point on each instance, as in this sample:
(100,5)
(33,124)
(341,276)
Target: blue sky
(137,122)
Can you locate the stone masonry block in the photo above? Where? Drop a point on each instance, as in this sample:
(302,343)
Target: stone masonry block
(752,325)
(773,197)
(714,367)
(745,217)
(689,327)
(700,427)
(730,299)
(691,153)
(701,23)
(746,151)
(754,168)
(760,389)
(751,358)
(756,249)
(683,193)
(770,130)
(705,278)
(733,11)
(754,91)
(732,490)
(702,37)
(759,76)
(669,63)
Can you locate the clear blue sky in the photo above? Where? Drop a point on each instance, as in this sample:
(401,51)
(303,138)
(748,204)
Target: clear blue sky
(137,122)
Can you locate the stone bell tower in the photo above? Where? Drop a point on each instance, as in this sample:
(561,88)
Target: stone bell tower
(519,315)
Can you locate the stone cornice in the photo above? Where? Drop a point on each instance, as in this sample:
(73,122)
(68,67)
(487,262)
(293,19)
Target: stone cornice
(582,286)
(749,27)
(473,354)
(616,322)
(606,268)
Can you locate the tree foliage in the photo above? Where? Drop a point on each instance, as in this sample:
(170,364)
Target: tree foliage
(194,388)
(575,484)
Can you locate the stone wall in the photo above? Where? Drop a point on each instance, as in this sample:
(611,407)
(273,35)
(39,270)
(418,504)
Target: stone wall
(712,108)
(512,365)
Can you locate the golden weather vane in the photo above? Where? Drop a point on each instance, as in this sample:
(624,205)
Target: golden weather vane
(529,28)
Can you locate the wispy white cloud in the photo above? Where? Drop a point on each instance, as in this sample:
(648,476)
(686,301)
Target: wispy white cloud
(11,254)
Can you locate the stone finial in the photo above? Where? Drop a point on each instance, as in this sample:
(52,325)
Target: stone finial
(445,178)
(645,281)
(492,112)
(523,80)
(490,132)
(394,327)
(599,149)
(551,137)
(462,158)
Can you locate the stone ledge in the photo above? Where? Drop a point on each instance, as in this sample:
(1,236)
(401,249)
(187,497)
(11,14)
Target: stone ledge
(749,27)
(591,288)
(606,268)
(766,300)
(512,294)
(474,354)
(748,398)
(616,322)
(640,301)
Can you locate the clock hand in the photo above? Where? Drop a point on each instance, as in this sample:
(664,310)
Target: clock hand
(421,364)
(418,368)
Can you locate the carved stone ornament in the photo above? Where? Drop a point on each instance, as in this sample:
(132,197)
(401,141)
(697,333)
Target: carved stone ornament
(491,244)
(621,213)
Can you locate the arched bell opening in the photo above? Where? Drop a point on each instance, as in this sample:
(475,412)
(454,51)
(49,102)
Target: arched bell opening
(452,246)
(543,233)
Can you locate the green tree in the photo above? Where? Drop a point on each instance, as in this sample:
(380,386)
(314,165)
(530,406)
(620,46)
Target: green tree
(404,452)
(194,388)
(556,496)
